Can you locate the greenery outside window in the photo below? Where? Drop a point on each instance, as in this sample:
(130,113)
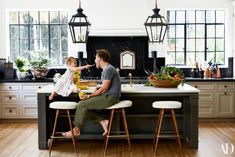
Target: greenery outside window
(195,35)
(39,30)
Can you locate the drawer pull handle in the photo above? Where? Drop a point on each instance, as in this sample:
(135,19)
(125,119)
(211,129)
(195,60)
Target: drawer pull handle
(225,86)
(10,97)
(39,87)
(10,87)
(196,86)
(10,111)
(225,93)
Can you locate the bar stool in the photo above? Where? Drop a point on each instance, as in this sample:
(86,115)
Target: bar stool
(63,106)
(166,106)
(119,107)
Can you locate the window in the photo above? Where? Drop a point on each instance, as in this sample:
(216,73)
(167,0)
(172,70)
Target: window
(195,35)
(35,30)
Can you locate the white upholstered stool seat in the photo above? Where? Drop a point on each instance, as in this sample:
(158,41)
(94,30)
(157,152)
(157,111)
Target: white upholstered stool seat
(118,108)
(121,104)
(167,104)
(63,105)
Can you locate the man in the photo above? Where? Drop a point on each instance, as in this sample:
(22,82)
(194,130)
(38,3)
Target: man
(107,95)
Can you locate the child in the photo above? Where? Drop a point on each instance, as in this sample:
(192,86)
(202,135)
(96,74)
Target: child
(65,85)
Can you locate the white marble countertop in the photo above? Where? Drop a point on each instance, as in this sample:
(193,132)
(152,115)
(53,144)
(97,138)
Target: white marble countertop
(137,88)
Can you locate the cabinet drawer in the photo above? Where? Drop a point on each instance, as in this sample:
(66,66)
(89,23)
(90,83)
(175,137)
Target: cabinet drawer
(29,112)
(32,87)
(225,86)
(205,111)
(10,87)
(10,111)
(203,85)
(206,96)
(30,98)
(10,98)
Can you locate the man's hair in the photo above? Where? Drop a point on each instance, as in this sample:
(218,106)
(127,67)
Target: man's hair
(103,54)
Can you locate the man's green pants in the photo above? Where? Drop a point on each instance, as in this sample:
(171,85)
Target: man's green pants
(85,107)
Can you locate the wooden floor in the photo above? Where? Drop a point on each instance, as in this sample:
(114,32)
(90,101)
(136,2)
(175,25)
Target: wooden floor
(20,140)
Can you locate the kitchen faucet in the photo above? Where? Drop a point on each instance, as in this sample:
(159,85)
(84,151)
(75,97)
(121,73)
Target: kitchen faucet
(130,75)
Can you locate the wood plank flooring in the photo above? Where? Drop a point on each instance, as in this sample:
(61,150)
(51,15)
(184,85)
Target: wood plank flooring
(21,140)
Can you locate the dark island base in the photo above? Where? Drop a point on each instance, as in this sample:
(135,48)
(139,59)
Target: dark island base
(141,118)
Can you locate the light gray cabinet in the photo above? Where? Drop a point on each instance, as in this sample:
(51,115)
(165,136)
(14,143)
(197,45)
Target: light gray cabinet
(19,100)
(216,99)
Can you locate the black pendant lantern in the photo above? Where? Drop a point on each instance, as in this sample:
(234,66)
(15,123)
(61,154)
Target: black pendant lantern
(79,26)
(156,26)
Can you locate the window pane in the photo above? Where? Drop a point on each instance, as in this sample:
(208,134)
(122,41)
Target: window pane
(170,58)
(34,45)
(220,16)
(179,31)
(64,31)
(34,31)
(211,56)
(23,46)
(190,16)
(179,44)
(191,45)
(64,45)
(200,57)
(33,17)
(14,32)
(44,17)
(200,16)
(64,17)
(55,31)
(171,46)
(24,18)
(180,17)
(219,44)
(219,58)
(54,17)
(211,31)
(180,58)
(211,44)
(200,31)
(190,31)
(210,16)
(45,44)
(44,32)
(55,45)
(24,32)
(171,16)
(200,44)
(190,58)
(13,17)
(220,31)
(14,45)
(171,31)
(55,58)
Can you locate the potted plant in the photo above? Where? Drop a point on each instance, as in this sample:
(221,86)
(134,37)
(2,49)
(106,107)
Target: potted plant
(39,62)
(22,70)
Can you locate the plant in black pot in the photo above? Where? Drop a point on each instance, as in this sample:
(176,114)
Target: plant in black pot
(39,62)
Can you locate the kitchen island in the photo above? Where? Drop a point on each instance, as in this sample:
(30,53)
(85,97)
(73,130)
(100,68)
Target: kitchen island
(141,117)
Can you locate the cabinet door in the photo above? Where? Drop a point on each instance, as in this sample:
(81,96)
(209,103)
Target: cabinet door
(225,103)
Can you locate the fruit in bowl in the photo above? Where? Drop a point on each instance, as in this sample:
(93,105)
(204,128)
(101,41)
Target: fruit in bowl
(167,77)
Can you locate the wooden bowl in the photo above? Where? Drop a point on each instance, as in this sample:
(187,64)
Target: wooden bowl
(165,83)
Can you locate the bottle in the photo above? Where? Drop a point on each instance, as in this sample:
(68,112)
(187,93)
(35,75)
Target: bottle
(207,73)
(218,73)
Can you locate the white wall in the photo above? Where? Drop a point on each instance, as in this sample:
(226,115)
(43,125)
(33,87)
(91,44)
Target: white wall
(114,17)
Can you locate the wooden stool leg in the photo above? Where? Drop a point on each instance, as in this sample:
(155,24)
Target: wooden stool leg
(126,128)
(157,125)
(109,130)
(176,128)
(53,133)
(73,137)
(159,129)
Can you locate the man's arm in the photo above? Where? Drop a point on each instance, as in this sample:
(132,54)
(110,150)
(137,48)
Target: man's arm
(105,86)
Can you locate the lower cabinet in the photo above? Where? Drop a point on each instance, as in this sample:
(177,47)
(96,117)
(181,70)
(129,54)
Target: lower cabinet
(216,99)
(19,100)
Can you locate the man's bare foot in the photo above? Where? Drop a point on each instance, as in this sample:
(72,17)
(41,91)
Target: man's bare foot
(104,123)
(76,132)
